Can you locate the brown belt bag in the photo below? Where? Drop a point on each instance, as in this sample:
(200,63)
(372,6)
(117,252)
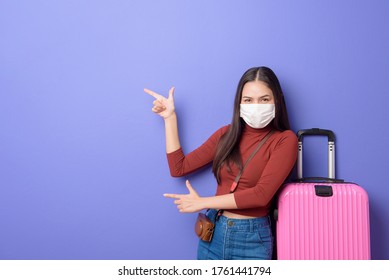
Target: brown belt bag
(204,227)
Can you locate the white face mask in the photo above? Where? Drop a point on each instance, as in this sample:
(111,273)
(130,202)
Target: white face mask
(257,115)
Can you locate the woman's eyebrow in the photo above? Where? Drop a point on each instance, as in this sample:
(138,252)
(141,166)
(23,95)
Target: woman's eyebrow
(262,96)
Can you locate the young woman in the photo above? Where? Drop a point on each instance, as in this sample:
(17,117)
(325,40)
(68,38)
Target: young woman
(243,229)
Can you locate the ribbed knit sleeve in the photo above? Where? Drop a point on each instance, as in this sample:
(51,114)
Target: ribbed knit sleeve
(181,164)
(282,159)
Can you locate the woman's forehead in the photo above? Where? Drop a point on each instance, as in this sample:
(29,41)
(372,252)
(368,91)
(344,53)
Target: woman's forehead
(257,89)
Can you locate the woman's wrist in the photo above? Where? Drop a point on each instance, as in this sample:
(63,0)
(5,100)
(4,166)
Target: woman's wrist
(171,116)
(203,203)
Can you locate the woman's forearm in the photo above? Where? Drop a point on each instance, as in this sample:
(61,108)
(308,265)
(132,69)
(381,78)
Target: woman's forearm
(192,202)
(171,132)
(226,201)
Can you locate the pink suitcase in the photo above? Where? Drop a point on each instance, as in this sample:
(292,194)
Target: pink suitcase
(322,218)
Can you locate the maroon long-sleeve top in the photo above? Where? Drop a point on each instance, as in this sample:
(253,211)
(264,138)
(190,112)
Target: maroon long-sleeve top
(261,178)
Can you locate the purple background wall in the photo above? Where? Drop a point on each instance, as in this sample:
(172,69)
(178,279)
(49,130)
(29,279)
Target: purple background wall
(82,159)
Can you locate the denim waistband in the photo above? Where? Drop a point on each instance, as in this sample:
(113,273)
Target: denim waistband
(240,224)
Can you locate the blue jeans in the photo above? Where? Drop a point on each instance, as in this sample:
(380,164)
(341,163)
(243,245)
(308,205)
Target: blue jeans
(238,239)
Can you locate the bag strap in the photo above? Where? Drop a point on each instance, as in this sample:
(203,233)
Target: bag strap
(236,181)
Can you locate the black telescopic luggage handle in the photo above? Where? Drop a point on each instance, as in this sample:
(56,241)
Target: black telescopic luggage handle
(316,131)
(331,152)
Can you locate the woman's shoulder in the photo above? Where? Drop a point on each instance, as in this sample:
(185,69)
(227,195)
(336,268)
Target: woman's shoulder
(219,133)
(225,128)
(286,136)
(222,130)
(288,133)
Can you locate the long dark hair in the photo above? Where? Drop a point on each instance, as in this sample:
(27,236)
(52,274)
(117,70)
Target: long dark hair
(228,147)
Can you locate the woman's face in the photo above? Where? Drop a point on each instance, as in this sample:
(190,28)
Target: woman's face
(256,92)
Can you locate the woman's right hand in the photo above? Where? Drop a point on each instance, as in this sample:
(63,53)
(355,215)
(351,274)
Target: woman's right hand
(162,106)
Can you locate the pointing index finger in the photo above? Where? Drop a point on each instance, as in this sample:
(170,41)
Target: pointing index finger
(170,195)
(153,94)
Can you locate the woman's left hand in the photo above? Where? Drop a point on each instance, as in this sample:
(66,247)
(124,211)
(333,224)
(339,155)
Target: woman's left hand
(187,203)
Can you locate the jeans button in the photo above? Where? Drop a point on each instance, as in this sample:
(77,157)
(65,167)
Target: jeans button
(230,223)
